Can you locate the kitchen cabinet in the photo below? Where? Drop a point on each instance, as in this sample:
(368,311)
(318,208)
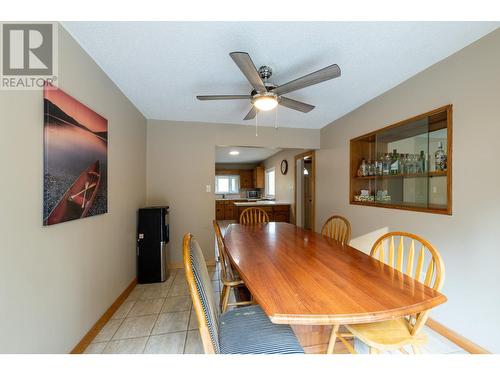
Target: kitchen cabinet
(246,179)
(225,172)
(219,211)
(280,212)
(269,211)
(258,177)
(229,211)
(226,210)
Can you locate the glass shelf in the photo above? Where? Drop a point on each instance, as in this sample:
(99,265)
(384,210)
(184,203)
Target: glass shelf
(408,175)
(411,163)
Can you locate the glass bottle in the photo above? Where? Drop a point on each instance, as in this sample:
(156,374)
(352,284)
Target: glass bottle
(414,163)
(394,162)
(380,166)
(440,158)
(408,164)
(371,168)
(421,162)
(387,164)
(406,167)
(401,164)
(363,170)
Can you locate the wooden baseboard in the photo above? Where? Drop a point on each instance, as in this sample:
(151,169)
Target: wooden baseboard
(456,338)
(96,328)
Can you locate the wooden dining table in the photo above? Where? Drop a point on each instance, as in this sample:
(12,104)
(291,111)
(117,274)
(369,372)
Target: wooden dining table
(312,282)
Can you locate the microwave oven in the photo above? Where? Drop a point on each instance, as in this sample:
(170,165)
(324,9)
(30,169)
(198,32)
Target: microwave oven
(253,194)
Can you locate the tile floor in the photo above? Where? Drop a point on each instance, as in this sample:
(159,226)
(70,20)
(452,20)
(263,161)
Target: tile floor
(155,318)
(436,344)
(159,318)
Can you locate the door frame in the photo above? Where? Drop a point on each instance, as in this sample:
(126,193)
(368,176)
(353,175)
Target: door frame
(312,154)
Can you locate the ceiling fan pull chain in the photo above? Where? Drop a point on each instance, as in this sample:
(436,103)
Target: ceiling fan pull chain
(256,118)
(276,119)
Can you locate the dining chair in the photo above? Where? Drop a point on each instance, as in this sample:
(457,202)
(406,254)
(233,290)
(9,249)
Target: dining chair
(229,279)
(246,330)
(337,228)
(428,269)
(254,215)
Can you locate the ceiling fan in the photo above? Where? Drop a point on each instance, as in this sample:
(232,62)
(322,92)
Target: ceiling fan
(267,95)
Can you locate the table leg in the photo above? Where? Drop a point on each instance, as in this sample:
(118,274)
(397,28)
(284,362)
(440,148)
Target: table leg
(333,339)
(314,339)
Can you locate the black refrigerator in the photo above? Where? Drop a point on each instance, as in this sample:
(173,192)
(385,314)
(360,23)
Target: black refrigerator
(152,239)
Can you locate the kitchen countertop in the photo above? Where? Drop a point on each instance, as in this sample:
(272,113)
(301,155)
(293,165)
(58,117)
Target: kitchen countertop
(231,199)
(263,203)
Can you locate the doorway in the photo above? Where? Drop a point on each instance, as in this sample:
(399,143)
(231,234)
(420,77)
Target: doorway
(305,177)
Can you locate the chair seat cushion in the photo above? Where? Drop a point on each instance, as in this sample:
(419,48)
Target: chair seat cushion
(391,334)
(248,330)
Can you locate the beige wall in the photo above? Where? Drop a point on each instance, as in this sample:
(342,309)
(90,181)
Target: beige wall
(285,184)
(181,161)
(468,240)
(55,282)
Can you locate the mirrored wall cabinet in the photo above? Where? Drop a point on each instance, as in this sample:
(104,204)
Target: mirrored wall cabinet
(406,165)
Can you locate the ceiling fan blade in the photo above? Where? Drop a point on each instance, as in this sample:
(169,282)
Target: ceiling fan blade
(223,97)
(330,72)
(250,115)
(247,67)
(294,104)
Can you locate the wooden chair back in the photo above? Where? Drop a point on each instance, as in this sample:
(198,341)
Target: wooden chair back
(202,294)
(227,271)
(428,269)
(337,228)
(254,215)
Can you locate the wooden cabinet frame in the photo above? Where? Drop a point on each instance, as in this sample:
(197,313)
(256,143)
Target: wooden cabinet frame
(441,116)
(312,155)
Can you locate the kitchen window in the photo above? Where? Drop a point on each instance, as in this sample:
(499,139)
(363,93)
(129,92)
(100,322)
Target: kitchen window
(229,184)
(270,182)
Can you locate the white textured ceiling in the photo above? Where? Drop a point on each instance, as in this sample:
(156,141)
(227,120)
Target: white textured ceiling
(162,66)
(246,154)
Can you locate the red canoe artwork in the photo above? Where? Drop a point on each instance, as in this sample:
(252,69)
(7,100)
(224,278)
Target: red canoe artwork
(78,199)
(75,159)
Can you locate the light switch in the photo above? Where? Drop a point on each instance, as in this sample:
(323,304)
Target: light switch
(434,189)
(209,188)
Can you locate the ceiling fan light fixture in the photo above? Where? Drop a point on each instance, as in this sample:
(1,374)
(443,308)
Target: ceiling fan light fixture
(266,95)
(265,102)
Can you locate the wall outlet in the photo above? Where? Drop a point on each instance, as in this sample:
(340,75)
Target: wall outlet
(209,188)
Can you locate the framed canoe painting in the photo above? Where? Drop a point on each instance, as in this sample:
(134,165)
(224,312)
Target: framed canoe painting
(75,159)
